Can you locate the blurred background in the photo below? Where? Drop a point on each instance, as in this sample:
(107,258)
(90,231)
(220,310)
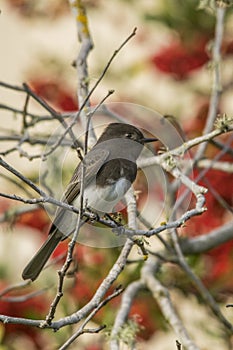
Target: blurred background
(166,67)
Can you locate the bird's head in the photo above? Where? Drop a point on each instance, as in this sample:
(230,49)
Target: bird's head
(124,131)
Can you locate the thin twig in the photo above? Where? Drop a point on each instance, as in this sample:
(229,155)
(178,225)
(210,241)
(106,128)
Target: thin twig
(81,65)
(102,76)
(181,150)
(82,328)
(89,116)
(114,272)
(14,287)
(23,298)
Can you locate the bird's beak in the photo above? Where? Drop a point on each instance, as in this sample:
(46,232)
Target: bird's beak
(146,140)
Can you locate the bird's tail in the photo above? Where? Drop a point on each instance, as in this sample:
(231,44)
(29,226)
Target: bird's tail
(36,264)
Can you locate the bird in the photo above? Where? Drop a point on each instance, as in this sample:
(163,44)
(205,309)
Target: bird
(109,170)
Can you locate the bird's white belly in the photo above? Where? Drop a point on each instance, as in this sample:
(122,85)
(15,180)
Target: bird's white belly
(103,199)
(100,200)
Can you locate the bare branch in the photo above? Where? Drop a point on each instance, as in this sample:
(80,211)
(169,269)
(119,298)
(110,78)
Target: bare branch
(85,39)
(81,329)
(227,167)
(181,150)
(217,84)
(90,306)
(25,297)
(205,294)
(207,241)
(14,287)
(122,315)
(162,296)
(31,184)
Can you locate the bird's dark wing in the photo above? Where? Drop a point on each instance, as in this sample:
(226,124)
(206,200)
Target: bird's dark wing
(92,163)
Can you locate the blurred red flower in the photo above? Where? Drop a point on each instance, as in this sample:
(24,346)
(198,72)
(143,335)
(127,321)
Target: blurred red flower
(94,347)
(31,307)
(37,218)
(84,288)
(180,59)
(220,260)
(54,92)
(146,315)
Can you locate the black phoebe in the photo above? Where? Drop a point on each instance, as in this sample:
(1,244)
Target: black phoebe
(109,170)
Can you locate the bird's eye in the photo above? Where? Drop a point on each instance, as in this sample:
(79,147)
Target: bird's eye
(129,135)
